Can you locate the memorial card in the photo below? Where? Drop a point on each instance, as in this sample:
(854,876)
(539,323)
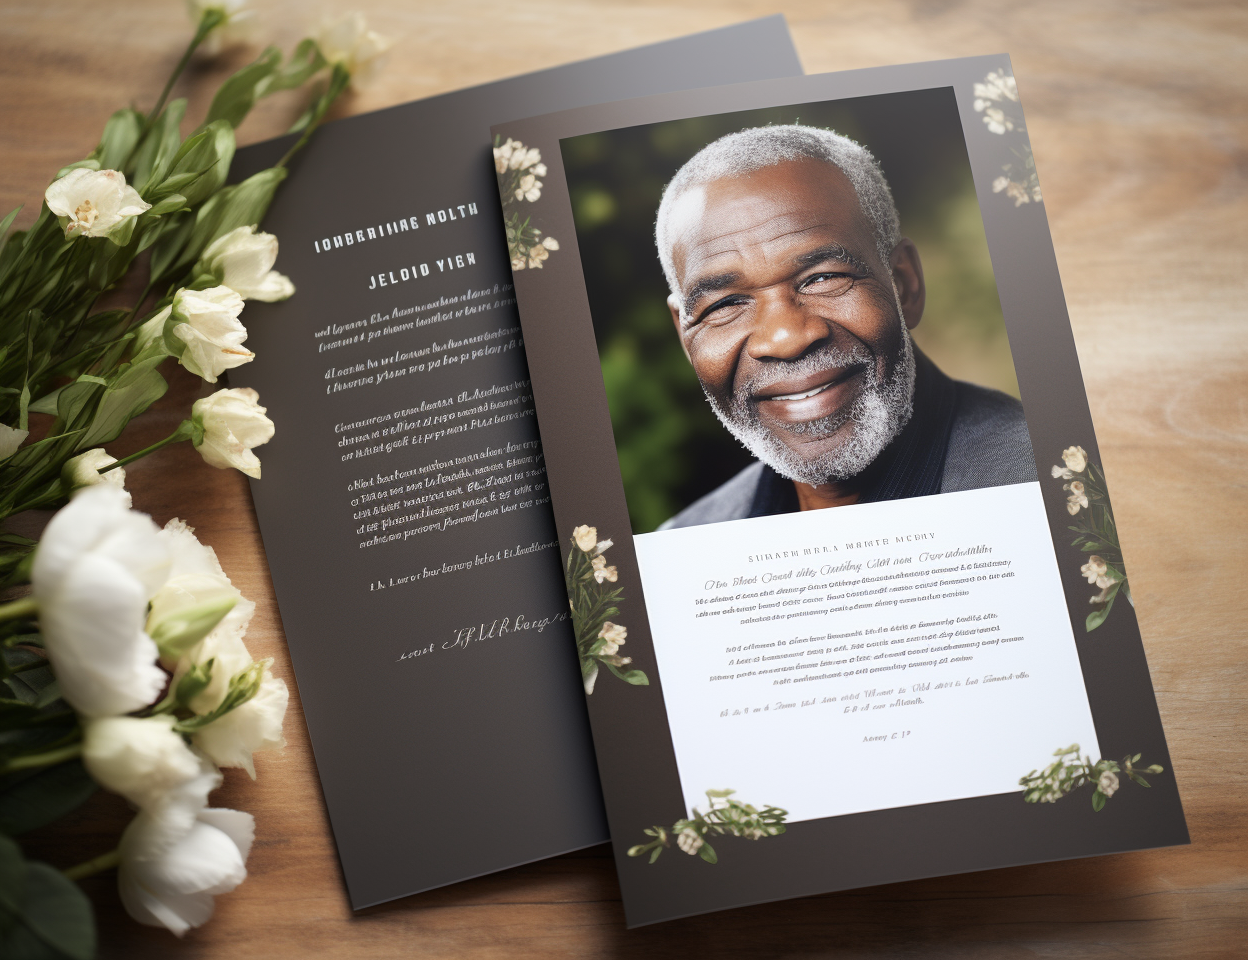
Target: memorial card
(404,507)
(849,600)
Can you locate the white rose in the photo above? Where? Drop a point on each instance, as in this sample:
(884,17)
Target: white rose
(602,571)
(10,439)
(206,321)
(1108,783)
(1075,458)
(197,592)
(141,759)
(171,881)
(611,635)
(243,261)
(95,203)
(94,570)
(233,423)
(83,471)
(348,41)
(689,840)
(256,725)
(237,27)
(585,537)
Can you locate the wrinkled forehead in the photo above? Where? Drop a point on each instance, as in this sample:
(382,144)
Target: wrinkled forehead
(765,212)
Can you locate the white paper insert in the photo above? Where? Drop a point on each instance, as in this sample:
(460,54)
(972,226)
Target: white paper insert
(866,657)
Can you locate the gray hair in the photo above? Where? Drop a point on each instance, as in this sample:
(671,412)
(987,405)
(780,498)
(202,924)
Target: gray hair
(741,153)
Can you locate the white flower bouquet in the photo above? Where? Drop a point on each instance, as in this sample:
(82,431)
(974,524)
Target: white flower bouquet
(723,817)
(519,169)
(593,601)
(122,661)
(1068,773)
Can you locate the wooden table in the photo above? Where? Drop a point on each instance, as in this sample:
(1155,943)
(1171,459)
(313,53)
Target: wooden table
(1137,116)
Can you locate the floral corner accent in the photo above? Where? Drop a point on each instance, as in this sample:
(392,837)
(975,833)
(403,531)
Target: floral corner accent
(996,99)
(593,603)
(724,817)
(1068,773)
(1088,499)
(518,169)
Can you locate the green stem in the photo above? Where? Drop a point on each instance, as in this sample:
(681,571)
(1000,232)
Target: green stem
(105,861)
(182,433)
(22,609)
(338,79)
(33,665)
(49,759)
(208,22)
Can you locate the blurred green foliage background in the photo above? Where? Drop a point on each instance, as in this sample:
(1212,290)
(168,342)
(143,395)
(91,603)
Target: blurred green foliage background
(672,450)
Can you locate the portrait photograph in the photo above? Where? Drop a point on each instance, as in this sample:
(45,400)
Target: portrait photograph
(795,309)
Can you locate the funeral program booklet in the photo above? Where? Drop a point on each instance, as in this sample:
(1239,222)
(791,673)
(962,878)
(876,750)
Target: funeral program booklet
(404,506)
(849,602)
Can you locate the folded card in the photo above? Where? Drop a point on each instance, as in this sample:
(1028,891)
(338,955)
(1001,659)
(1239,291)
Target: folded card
(849,600)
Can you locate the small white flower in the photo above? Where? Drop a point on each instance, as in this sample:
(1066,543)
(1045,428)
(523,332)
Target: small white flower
(590,678)
(83,471)
(518,263)
(539,169)
(585,537)
(243,261)
(143,759)
(197,588)
(1078,497)
(238,26)
(1075,458)
(94,203)
(206,321)
(602,547)
(1062,473)
(602,571)
(1000,184)
(10,439)
(502,155)
(1035,193)
(689,840)
(94,570)
(233,423)
(1094,569)
(256,725)
(1108,783)
(1018,193)
(529,188)
(348,41)
(996,120)
(169,881)
(536,256)
(550,243)
(611,635)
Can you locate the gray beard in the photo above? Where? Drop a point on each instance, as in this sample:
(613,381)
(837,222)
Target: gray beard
(878,415)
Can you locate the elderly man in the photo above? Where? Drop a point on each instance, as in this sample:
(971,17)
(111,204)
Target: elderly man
(794,293)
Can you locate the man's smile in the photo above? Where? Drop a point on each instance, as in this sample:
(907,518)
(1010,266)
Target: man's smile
(802,399)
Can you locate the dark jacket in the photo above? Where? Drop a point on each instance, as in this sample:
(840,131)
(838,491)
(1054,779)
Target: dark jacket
(960,437)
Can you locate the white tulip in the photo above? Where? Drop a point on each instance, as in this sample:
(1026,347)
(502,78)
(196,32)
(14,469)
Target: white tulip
(233,422)
(256,725)
(237,27)
(197,588)
(348,41)
(206,321)
(171,883)
(143,759)
(83,471)
(95,203)
(243,261)
(94,570)
(10,439)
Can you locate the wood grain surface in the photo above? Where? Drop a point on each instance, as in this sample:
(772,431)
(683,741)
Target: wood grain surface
(1137,114)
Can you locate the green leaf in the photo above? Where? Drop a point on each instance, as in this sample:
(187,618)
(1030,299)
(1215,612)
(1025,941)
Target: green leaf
(208,155)
(120,137)
(707,853)
(43,796)
(53,918)
(235,97)
(655,855)
(136,387)
(1098,800)
(1138,779)
(170,204)
(151,161)
(6,223)
(303,63)
(636,677)
(241,205)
